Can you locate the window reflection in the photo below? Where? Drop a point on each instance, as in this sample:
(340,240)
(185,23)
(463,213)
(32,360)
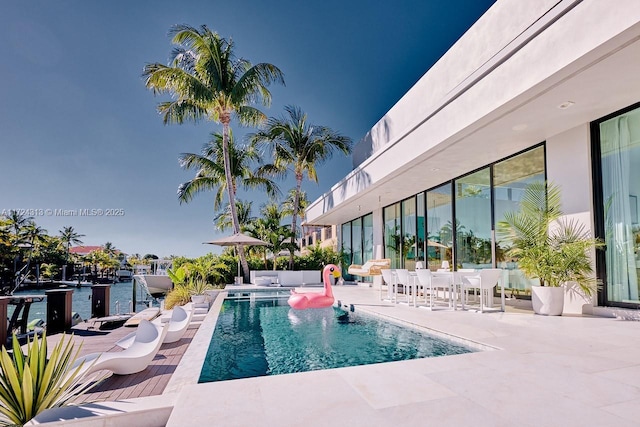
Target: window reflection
(510,178)
(473,220)
(439,227)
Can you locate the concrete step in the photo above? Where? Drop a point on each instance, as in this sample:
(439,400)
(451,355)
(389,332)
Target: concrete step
(198,317)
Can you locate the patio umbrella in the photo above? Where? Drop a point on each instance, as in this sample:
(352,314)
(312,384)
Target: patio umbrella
(236,240)
(435,244)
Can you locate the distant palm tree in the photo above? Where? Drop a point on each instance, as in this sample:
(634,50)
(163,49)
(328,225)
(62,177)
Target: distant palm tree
(109,249)
(223,221)
(5,233)
(211,172)
(17,221)
(69,237)
(34,234)
(299,146)
(208,82)
(270,229)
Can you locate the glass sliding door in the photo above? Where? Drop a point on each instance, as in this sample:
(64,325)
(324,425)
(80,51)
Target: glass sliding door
(420,225)
(619,151)
(510,177)
(439,227)
(356,241)
(473,220)
(392,235)
(345,237)
(409,233)
(367,237)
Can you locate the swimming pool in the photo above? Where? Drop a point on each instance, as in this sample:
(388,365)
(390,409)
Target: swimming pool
(258,337)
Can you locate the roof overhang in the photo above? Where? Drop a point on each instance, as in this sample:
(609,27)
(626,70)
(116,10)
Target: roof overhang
(520,102)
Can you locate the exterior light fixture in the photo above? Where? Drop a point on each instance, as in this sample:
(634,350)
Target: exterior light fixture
(565,105)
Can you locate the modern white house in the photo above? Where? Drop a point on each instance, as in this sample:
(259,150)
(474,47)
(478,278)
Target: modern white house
(544,90)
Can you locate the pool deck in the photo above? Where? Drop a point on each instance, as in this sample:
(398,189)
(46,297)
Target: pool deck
(535,371)
(544,371)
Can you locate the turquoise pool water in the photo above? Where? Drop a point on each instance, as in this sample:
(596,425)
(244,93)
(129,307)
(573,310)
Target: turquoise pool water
(266,337)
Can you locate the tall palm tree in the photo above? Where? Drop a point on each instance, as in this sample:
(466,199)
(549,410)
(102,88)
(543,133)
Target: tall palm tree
(288,205)
(207,81)
(69,237)
(211,173)
(299,146)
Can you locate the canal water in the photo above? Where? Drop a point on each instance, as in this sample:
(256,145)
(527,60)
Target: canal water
(121,297)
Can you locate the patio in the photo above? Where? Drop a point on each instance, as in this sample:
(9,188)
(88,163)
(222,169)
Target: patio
(544,371)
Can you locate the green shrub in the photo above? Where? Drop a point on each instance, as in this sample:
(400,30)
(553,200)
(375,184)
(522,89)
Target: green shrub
(179,295)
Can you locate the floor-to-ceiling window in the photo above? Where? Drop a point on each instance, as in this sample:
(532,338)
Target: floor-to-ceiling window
(439,227)
(392,235)
(473,220)
(617,146)
(510,177)
(409,233)
(357,242)
(420,228)
(423,228)
(345,239)
(367,237)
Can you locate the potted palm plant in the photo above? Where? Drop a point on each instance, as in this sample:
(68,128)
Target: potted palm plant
(553,249)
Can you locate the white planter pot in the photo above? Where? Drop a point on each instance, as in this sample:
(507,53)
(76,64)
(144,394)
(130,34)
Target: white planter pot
(198,299)
(547,300)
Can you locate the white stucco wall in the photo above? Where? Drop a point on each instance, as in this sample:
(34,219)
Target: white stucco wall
(569,166)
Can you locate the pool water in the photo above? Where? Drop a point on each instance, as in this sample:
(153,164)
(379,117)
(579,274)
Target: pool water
(267,337)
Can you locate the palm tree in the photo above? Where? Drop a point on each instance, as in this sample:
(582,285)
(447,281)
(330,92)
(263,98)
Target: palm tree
(207,81)
(69,237)
(35,236)
(223,221)
(298,145)
(17,222)
(109,249)
(211,172)
(270,229)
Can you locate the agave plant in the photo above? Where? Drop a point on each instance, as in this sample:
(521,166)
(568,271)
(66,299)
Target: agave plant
(32,383)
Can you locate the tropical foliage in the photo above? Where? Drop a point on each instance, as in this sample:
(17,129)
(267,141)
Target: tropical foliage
(35,382)
(210,175)
(27,251)
(548,246)
(207,81)
(299,146)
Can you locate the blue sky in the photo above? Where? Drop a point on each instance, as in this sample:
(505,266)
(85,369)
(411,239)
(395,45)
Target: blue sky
(79,130)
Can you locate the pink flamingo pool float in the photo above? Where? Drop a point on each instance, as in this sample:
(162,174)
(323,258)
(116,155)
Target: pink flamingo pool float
(301,301)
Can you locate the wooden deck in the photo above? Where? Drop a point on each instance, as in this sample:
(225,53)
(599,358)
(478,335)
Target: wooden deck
(150,382)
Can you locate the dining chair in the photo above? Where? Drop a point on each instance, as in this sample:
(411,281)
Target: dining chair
(428,280)
(407,283)
(389,279)
(485,281)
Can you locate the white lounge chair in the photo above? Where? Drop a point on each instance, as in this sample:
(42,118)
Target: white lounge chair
(178,325)
(369,268)
(135,358)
